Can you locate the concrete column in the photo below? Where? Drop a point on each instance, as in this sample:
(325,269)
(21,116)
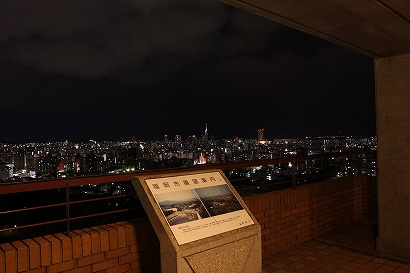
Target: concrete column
(393,131)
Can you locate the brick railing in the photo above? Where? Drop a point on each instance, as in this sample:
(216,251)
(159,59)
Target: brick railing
(287,218)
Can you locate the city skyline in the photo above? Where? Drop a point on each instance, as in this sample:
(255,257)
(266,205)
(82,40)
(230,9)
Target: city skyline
(111,71)
(258,136)
(62,159)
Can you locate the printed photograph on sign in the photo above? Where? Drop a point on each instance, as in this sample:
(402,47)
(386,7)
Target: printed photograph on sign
(181,207)
(219,199)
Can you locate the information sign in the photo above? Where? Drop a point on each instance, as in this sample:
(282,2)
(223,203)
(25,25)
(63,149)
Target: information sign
(197,206)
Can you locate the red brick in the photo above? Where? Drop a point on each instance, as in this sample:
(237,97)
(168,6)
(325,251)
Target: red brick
(281,244)
(112,236)
(295,232)
(45,250)
(85,242)
(265,244)
(271,247)
(34,253)
(285,214)
(293,219)
(275,240)
(133,248)
(91,259)
(304,219)
(131,231)
(95,240)
(286,236)
(67,247)
(290,229)
(61,267)
(22,256)
(281,221)
(105,265)
(10,255)
(259,215)
(286,225)
(265,232)
(271,236)
(300,225)
(263,220)
(275,228)
(104,238)
(270,224)
(56,249)
(290,240)
(76,245)
(38,270)
(116,253)
(270,212)
(281,232)
(128,258)
(121,235)
(83,269)
(121,268)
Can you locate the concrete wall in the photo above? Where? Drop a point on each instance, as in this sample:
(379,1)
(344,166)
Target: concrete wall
(393,133)
(287,217)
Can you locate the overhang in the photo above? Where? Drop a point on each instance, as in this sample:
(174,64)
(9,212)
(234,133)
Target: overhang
(374,28)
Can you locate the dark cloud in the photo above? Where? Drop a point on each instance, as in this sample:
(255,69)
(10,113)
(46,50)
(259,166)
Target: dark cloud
(93,39)
(110,70)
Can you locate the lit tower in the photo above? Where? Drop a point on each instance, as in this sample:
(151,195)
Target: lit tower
(206,132)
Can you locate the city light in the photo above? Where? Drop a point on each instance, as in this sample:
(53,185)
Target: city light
(20,162)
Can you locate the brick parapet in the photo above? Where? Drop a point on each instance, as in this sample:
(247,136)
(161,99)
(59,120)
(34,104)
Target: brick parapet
(292,216)
(287,218)
(119,247)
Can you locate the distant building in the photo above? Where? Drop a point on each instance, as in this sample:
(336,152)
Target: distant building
(285,139)
(261,136)
(205,136)
(6,171)
(192,139)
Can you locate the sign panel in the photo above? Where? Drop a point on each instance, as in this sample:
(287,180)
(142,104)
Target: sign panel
(197,206)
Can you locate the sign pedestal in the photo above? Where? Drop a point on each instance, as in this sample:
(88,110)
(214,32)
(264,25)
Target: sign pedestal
(201,222)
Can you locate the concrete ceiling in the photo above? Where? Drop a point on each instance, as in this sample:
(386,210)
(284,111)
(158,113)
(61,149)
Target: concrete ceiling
(372,27)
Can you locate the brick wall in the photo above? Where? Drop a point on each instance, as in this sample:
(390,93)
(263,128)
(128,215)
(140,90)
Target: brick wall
(118,247)
(287,217)
(293,216)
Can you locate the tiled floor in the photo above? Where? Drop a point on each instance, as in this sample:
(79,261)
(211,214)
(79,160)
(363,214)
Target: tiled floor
(350,249)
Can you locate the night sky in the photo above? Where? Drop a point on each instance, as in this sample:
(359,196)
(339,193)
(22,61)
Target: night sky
(110,70)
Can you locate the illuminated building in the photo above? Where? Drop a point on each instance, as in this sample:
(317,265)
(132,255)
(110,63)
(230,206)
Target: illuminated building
(6,171)
(261,135)
(205,136)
